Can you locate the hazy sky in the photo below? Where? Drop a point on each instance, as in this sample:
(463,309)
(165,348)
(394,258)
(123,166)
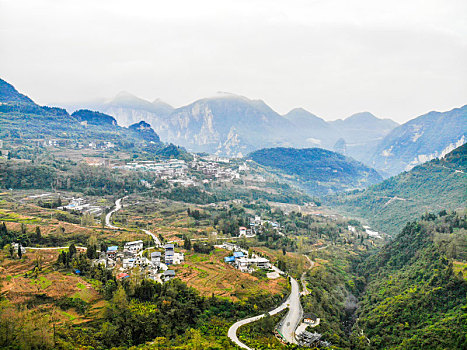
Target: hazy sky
(396,59)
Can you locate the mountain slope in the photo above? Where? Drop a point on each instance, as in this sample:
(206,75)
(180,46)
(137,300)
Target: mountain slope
(433,186)
(228,125)
(419,140)
(415,295)
(145,131)
(311,130)
(317,170)
(9,94)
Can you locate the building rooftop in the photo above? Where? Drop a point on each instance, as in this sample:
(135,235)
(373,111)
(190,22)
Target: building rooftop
(238,254)
(113,248)
(155,254)
(169,246)
(134,243)
(169,273)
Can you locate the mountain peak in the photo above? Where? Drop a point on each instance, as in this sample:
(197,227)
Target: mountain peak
(362,117)
(145,130)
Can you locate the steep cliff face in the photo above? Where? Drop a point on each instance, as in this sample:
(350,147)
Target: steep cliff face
(421,139)
(229,125)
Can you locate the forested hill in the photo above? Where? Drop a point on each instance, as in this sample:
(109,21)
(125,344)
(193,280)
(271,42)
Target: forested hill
(317,170)
(433,186)
(22,121)
(415,297)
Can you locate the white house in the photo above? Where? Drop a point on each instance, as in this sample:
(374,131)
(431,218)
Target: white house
(134,247)
(242,231)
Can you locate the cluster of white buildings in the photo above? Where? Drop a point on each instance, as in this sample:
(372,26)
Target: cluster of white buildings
(156,266)
(214,171)
(81,205)
(240,260)
(167,169)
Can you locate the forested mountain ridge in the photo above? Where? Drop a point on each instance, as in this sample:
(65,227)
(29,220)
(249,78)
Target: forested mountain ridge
(9,94)
(419,140)
(433,186)
(415,295)
(317,170)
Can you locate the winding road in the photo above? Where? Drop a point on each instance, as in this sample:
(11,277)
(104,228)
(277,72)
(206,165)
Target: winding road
(290,321)
(294,316)
(118,206)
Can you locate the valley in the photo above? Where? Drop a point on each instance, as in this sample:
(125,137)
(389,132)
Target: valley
(227,238)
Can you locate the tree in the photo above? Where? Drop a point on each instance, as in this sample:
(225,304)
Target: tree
(91,251)
(38,234)
(20,253)
(186,243)
(72,251)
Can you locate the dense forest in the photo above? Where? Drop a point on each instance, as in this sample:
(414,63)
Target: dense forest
(416,288)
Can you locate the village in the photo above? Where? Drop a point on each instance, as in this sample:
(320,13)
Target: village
(154,262)
(133,258)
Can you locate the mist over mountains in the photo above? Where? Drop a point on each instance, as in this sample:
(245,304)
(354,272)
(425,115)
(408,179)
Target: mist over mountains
(234,126)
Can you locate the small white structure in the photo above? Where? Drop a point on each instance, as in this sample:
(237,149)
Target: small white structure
(156,259)
(129,263)
(133,247)
(242,231)
(168,275)
(178,258)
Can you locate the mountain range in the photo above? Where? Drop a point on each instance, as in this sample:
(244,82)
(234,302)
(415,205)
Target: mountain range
(424,138)
(232,125)
(22,119)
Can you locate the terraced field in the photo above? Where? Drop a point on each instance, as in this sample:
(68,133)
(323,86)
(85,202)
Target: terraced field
(209,274)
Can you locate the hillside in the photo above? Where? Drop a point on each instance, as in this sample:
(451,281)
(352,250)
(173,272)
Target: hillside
(24,122)
(316,170)
(9,94)
(433,186)
(420,140)
(416,287)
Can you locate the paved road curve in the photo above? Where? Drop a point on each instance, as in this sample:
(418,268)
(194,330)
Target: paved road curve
(118,206)
(294,316)
(232,333)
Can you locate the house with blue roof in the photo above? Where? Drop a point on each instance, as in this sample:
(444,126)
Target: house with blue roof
(238,255)
(112,251)
(229,259)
